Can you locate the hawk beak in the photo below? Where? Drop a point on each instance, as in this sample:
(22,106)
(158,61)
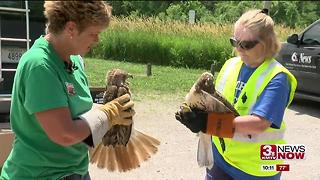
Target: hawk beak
(130,76)
(185,108)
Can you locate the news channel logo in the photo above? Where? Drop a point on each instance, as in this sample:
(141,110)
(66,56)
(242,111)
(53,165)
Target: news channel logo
(281,152)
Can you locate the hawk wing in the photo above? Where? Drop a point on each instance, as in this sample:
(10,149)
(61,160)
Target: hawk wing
(123,148)
(203,96)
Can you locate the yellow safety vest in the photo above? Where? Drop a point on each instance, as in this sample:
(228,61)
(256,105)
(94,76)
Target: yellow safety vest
(241,151)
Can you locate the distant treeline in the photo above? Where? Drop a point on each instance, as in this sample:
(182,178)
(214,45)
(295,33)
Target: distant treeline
(288,13)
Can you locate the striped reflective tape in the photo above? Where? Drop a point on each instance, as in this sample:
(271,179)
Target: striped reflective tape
(265,136)
(260,81)
(228,70)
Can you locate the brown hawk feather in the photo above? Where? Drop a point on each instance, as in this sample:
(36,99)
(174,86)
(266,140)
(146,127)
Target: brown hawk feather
(203,96)
(123,148)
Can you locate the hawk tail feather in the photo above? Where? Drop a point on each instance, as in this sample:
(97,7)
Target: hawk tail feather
(124,158)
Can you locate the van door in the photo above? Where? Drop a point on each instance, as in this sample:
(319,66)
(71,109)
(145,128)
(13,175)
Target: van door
(309,59)
(303,59)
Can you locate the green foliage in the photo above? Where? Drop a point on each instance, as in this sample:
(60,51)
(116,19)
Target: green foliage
(145,47)
(288,13)
(176,12)
(168,43)
(166,38)
(285,9)
(180,10)
(308,13)
(180,45)
(142,8)
(229,12)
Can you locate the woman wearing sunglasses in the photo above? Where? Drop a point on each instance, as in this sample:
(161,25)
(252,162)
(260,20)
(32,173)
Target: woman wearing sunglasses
(260,89)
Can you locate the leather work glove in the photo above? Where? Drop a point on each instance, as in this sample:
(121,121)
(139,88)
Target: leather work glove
(100,120)
(213,123)
(119,110)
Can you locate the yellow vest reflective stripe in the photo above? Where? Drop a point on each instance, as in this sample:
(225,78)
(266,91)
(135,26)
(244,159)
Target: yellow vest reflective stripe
(241,151)
(265,136)
(260,80)
(227,69)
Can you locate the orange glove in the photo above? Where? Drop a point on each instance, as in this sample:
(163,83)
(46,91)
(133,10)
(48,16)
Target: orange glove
(221,124)
(217,124)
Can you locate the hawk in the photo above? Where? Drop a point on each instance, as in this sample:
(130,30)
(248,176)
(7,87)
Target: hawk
(122,148)
(203,96)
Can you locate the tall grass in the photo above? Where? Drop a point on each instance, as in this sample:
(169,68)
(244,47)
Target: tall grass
(164,43)
(155,25)
(174,43)
(283,32)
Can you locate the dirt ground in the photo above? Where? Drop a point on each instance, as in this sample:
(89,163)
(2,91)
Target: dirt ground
(176,158)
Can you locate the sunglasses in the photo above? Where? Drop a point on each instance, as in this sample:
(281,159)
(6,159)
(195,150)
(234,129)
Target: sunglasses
(246,45)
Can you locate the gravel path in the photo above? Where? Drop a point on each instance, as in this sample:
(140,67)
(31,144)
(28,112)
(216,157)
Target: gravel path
(176,158)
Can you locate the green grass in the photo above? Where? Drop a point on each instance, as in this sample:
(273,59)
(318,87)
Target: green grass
(165,82)
(176,44)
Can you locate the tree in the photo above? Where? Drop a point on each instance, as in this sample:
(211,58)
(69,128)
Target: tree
(288,13)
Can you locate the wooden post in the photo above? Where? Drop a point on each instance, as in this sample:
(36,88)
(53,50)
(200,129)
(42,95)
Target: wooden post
(192,16)
(149,73)
(267,5)
(212,69)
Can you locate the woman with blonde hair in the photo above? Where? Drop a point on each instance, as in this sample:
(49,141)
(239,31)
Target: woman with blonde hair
(51,112)
(260,89)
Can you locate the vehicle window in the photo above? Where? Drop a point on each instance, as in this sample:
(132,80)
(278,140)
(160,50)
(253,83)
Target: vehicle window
(36,10)
(312,35)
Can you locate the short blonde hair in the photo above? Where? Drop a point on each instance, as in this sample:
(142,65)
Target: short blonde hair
(84,14)
(262,26)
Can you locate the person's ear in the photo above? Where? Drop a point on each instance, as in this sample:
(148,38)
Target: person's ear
(71,29)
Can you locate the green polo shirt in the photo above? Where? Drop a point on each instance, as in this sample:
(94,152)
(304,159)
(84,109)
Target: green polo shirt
(42,83)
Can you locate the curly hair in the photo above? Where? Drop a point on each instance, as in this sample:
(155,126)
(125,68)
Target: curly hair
(262,26)
(83,13)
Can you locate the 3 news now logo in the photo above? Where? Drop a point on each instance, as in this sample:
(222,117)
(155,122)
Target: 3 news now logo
(282,151)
